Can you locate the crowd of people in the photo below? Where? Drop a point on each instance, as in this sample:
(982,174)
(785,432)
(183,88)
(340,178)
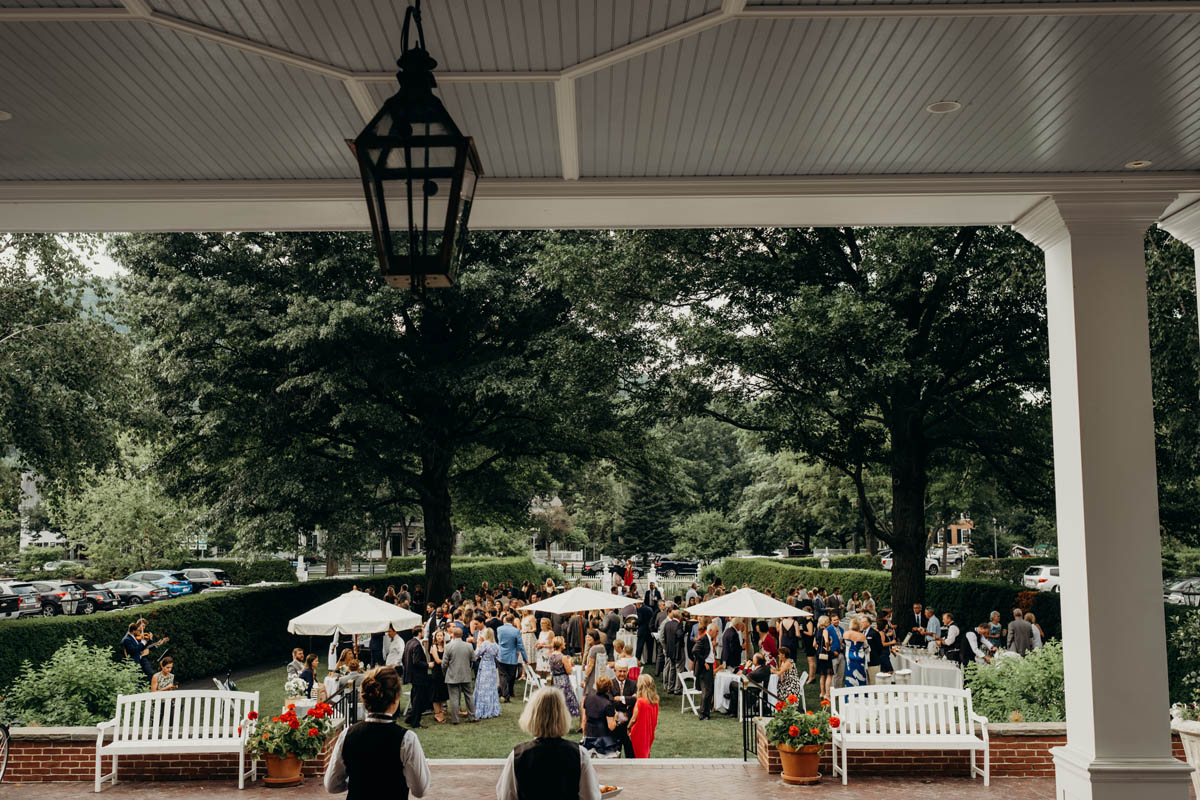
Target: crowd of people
(464,661)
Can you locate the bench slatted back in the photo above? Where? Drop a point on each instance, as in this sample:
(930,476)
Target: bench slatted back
(903,710)
(186,715)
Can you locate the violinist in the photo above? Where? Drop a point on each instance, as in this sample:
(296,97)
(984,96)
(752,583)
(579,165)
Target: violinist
(136,645)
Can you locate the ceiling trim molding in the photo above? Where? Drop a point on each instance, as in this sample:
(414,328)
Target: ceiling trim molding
(1184,225)
(1002,9)
(568,128)
(665,188)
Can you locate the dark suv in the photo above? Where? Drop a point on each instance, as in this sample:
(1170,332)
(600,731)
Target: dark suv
(206,578)
(29,599)
(96,597)
(59,596)
(669,567)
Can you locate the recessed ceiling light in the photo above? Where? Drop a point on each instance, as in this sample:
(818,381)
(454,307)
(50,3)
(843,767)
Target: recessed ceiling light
(943,107)
(5,116)
(1137,164)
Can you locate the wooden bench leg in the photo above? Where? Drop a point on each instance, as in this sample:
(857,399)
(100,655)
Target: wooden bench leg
(845,778)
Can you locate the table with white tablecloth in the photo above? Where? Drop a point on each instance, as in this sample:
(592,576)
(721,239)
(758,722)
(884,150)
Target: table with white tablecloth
(722,682)
(929,670)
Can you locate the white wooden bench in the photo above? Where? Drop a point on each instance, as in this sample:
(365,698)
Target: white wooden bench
(204,721)
(907,718)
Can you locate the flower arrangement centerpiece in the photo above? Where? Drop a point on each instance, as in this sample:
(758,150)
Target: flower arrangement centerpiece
(1187,712)
(294,688)
(800,737)
(287,740)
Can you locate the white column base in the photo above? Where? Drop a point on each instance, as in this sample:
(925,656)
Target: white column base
(1079,777)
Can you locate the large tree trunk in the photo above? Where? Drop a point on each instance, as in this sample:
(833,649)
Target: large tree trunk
(908,513)
(439,532)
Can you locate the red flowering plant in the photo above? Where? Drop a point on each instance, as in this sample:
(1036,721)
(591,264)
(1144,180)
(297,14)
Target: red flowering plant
(795,727)
(290,734)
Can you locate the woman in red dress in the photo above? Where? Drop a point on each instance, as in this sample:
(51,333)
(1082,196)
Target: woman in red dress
(644,720)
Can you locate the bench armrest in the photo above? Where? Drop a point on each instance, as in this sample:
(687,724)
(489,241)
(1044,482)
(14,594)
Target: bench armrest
(108,723)
(979,718)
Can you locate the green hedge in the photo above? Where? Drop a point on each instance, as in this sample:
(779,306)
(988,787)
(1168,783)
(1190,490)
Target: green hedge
(969,601)
(1003,570)
(416,563)
(859,561)
(243,573)
(218,631)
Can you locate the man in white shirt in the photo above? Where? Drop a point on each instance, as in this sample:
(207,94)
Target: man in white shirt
(933,628)
(691,592)
(393,648)
(950,643)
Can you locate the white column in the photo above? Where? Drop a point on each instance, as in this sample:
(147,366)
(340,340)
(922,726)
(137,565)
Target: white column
(1118,732)
(1184,225)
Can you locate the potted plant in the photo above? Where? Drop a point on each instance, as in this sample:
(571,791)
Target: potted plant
(800,736)
(295,689)
(1185,720)
(286,741)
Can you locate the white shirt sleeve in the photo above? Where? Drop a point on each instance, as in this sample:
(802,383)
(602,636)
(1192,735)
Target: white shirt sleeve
(335,772)
(589,784)
(973,641)
(416,768)
(506,787)
(951,635)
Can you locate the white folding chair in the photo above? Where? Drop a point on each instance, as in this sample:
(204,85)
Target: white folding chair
(533,682)
(689,692)
(221,687)
(803,681)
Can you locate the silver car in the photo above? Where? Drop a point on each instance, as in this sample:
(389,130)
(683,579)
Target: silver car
(1184,593)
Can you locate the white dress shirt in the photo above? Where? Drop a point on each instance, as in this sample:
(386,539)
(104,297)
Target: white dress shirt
(589,785)
(412,758)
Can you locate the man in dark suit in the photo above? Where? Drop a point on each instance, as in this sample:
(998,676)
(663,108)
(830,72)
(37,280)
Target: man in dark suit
(610,627)
(704,658)
(673,647)
(916,626)
(624,695)
(416,672)
(731,657)
(645,618)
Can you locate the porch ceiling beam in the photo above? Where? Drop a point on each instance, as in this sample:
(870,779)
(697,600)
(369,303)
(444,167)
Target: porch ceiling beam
(878,11)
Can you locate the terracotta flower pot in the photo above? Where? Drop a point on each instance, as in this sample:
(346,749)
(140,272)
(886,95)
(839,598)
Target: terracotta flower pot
(283,770)
(800,767)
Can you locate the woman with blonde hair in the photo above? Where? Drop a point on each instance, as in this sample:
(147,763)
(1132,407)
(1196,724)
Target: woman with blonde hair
(528,631)
(545,645)
(549,765)
(560,675)
(644,720)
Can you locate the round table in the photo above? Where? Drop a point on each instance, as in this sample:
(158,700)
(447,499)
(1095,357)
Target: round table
(722,682)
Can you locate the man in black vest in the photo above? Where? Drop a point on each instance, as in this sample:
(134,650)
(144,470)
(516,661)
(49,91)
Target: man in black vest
(624,695)
(704,661)
(674,646)
(549,766)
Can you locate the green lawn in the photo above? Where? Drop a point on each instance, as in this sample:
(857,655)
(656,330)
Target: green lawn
(678,736)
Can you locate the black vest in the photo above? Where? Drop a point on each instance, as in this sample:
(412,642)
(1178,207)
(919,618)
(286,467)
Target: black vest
(371,753)
(547,768)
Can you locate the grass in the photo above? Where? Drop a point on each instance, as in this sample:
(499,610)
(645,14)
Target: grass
(678,735)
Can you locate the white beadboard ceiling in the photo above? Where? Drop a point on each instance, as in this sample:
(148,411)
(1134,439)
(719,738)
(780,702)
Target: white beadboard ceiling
(269,89)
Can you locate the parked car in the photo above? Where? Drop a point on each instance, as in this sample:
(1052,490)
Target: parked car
(798,550)
(956,554)
(932,565)
(175,582)
(202,579)
(1017,551)
(61,597)
(30,600)
(1183,593)
(1044,579)
(134,593)
(96,597)
(10,605)
(595,568)
(670,567)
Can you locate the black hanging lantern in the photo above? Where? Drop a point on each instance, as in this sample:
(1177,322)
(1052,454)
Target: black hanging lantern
(414,153)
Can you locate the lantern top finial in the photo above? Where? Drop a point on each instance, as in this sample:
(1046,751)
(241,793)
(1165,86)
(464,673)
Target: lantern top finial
(415,63)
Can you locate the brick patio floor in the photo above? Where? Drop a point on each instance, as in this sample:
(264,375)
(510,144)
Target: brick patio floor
(657,781)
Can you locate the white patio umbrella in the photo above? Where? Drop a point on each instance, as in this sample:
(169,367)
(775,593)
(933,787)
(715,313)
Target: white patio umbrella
(581,598)
(352,613)
(746,603)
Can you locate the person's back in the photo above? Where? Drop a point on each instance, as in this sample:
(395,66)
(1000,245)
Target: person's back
(366,746)
(1020,636)
(547,768)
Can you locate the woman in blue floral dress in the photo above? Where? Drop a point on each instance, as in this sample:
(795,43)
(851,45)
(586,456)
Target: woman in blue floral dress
(856,653)
(487,679)
(560,676)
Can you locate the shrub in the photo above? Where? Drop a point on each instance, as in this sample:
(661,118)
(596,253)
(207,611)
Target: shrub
(78,685)
(218,631)
(1002,570)
(1183,653)
(244,573)
(969,601)
(405,563)
(1028,689)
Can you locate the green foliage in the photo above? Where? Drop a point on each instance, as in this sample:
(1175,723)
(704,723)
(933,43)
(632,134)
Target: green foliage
(244,573)
(77,685)
(1180,562)
(1028,689)
(63,391)
(405,563)
(289,734)
(124,519)
(301,391)
(494,540)
(969,601)
(1003,570)
(860,561)
(1183,653)
(706,535)
(217,631)
(647,527)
